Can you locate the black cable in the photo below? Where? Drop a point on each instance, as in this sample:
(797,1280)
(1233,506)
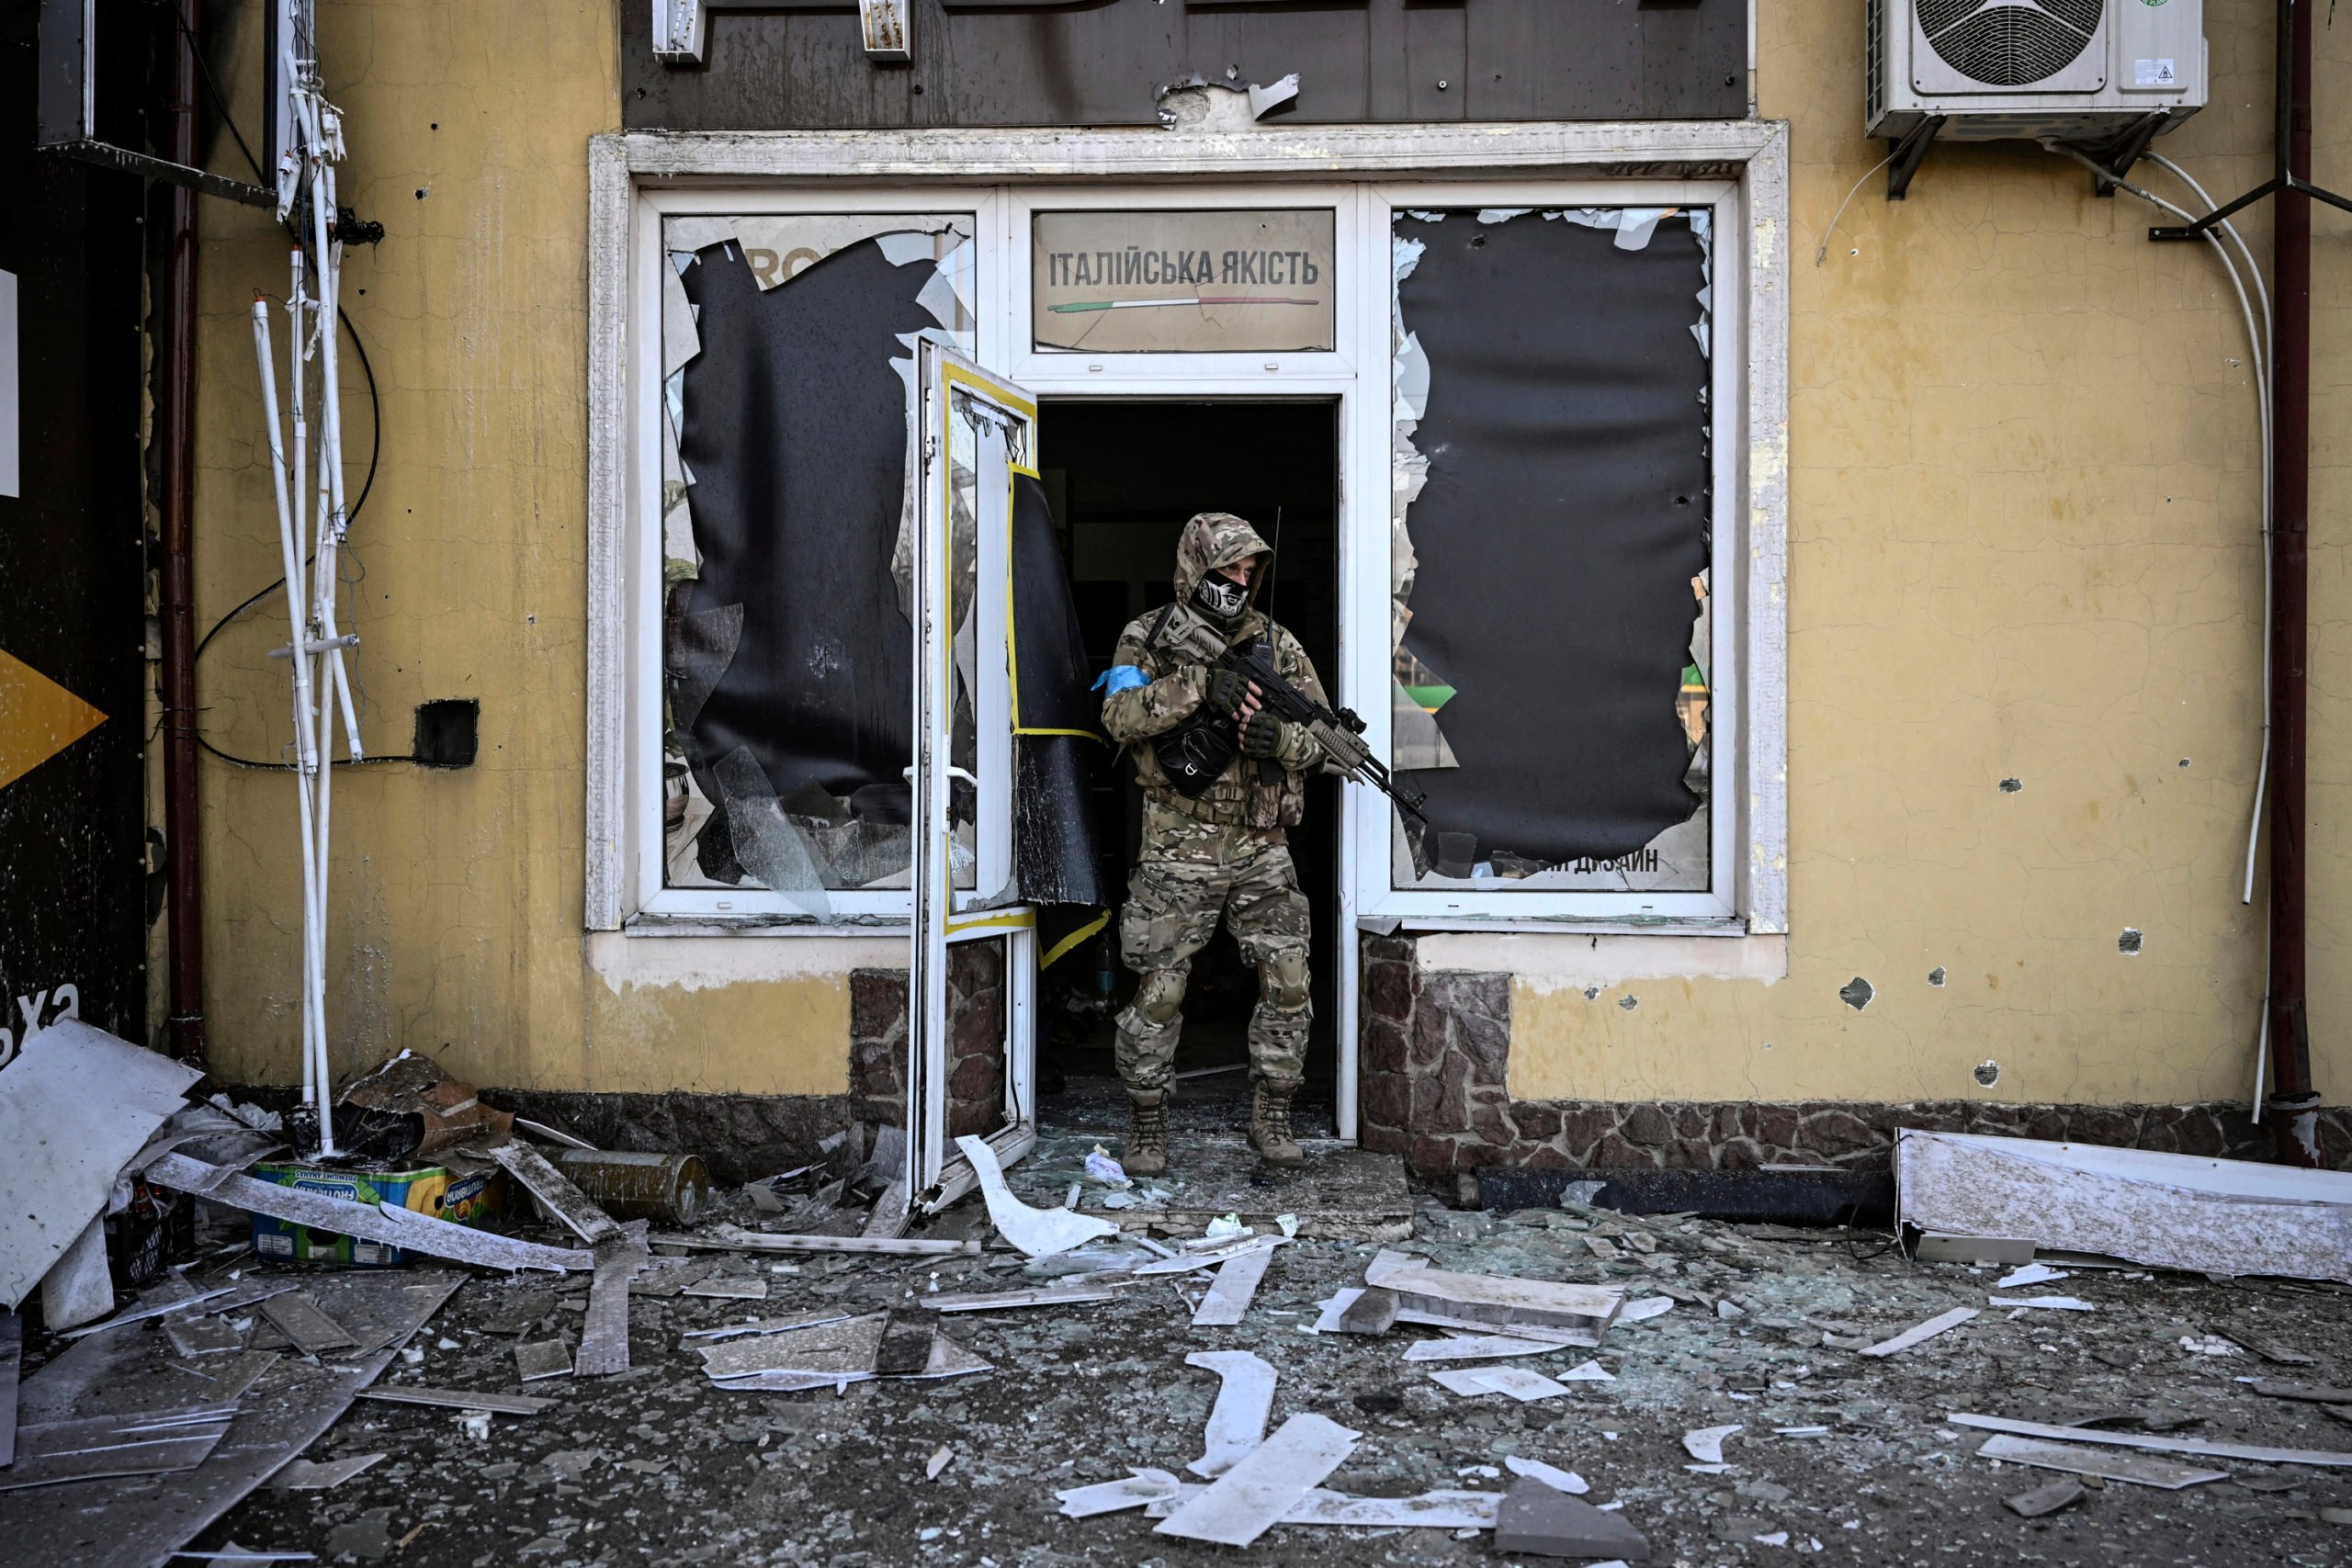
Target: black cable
(375,409)
(219,104)
(375,453)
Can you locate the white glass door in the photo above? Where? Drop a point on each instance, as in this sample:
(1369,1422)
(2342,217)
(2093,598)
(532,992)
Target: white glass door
(973,432)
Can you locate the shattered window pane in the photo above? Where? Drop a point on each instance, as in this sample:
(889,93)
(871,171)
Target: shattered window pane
(788,347)
(1550,548)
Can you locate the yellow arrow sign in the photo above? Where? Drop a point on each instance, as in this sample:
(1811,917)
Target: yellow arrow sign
(38,718)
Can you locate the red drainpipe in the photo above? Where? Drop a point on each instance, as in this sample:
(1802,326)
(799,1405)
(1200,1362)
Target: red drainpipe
(2294,1103)
(182,864)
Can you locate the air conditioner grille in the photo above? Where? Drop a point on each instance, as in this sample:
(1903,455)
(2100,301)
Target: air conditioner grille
(2003,43)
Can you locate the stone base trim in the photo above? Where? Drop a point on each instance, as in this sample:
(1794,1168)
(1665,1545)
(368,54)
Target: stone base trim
(1436,1062)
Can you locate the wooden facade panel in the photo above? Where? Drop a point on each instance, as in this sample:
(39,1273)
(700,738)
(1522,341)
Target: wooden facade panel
(1101,64)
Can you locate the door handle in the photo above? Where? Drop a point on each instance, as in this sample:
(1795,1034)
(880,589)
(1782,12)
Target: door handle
(953,771)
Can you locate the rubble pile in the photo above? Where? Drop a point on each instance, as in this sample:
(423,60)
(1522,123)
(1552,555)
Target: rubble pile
(766,1375)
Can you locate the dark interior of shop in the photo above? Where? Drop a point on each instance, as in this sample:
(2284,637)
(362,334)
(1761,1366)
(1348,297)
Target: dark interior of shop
(1122,478)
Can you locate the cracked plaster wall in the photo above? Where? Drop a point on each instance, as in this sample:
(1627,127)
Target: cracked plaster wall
(2024,479)
(2023,470)
(457,895)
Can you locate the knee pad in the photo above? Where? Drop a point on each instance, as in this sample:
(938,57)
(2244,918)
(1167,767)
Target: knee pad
(1160,998)
(1282,981)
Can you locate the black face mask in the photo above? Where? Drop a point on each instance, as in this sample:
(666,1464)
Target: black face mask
(1219,598)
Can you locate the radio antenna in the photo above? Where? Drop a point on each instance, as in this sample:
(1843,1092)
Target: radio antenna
(1274,561)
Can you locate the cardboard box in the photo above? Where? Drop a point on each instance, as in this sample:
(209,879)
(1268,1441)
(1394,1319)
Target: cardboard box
(426,1189)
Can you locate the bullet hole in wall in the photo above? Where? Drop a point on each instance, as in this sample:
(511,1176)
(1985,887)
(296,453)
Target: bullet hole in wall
(1988,1073)
(1936,976)
(1592,993)
(1855,993)
(2128,943)
(2184,761)
(1630,1003)
(2010,786)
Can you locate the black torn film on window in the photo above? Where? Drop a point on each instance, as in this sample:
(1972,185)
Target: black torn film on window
(1552,561)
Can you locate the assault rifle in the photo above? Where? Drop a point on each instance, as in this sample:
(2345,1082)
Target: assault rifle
(1339,732)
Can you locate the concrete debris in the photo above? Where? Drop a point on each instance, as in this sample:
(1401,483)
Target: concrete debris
(1706,1444)
(1937,1248)
(407,1107)
(2049,1303)
(1247,1500)
(1371,1312)
(1230,1293)
(400,1227)
(1036,1232)
(76,1104)
(734,1238)
(1245,1398)
(542,1359)
(301,1475)
(459,1399)
(2047,1499)
(1450,1510)
(1042,1296)
(2141,1469)
(1479,1347)
(2254,1453)
(1939,1323)
(1140,1487)
(2032,1274)
(1538,1520)
(2302,1393)
(1517,1381)
(1567,1480)
(2185,1211)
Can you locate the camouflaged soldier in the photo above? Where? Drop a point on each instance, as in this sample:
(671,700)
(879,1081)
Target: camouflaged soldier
(1222,779)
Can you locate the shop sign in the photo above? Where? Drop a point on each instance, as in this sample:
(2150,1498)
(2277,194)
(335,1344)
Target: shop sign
(1254,281)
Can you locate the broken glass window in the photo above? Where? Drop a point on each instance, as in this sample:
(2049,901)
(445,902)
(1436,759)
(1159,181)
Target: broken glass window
(787,355)
(1550,561)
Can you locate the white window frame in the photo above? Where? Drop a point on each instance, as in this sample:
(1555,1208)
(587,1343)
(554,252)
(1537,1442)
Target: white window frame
(1717,908)
(1005,173)
(648,849)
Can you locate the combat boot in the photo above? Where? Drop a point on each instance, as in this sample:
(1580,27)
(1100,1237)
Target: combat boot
(1270,1122)
(1147,1132)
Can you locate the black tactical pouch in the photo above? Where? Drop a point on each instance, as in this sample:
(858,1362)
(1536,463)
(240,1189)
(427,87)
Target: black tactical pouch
(1196,752)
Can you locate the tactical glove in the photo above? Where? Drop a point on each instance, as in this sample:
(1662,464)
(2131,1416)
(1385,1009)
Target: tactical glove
(1224,690)
(1263,735)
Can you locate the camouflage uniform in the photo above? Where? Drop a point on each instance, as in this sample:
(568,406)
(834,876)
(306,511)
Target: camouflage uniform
(1222,853)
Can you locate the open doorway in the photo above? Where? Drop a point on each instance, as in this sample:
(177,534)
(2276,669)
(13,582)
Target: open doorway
(1122,478)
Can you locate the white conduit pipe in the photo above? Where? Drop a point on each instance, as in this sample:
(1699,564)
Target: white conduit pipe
(2258,337)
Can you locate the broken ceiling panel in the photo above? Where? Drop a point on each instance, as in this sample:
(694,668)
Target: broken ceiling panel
(1550,547)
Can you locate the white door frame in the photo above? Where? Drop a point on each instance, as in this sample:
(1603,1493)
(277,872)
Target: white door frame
(1283,166)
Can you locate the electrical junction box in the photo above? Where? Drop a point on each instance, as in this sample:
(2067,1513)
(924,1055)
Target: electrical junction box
(2086,71)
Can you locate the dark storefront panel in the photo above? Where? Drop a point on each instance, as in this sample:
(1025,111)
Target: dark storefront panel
(1102,62)
(72,608)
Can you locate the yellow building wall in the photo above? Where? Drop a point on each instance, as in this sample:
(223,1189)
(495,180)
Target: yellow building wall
(2024,544)
(2024,476)
(456,924)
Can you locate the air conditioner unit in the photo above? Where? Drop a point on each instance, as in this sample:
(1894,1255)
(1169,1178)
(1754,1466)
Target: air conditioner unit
(1996,70)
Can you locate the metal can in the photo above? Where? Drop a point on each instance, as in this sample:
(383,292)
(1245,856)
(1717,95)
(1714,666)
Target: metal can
(670,1189)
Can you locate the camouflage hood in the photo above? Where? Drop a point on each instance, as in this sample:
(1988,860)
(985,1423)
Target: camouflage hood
(1213,539)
